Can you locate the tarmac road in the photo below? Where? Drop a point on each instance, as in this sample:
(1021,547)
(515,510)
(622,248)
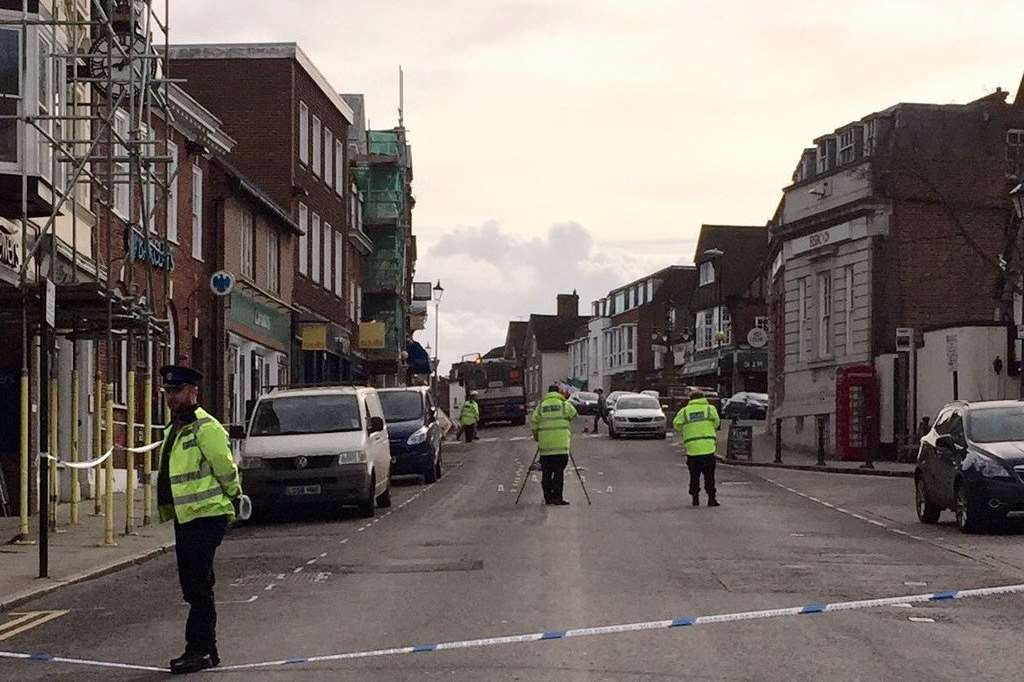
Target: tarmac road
(458,560)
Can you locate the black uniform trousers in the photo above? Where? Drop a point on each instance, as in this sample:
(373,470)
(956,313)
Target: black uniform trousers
(553,476)
(469,431)
(195,544)
(702,464)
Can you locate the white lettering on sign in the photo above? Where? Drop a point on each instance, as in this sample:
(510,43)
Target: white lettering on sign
(262,320)
(817,240)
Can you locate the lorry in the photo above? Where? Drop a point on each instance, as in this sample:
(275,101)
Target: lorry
(499,387)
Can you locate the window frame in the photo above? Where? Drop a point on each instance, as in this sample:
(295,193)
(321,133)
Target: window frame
(328,259)
(197,212)
(247,245)
(122,194)
(339,264)
(339,167)
(273,262)
(171,209)
(303,250)
(20,101)
(315,247)
(848,276)
(328,157)
(317,139)
(706,273)
(303,133)
(825,314)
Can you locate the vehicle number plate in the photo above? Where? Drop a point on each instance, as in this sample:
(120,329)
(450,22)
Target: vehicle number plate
(302,490)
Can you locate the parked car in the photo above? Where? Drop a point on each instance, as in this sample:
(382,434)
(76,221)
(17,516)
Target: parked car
(972,462)
(614,396)
(637,415)
(585,402)
(324,445)
(413,431)
(746,405)
(680,397)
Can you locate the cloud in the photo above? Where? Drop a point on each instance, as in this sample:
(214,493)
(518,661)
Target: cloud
(492,275)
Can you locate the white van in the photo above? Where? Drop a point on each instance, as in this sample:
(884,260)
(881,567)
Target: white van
(324,445)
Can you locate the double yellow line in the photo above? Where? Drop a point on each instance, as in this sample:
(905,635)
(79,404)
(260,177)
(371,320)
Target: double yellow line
(22,622)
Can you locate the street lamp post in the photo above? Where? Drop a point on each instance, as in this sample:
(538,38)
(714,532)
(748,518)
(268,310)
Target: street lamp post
(438,293)
(714,256)
(1017,199)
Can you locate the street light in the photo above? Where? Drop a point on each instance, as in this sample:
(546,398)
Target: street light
(438,293)
(714,256)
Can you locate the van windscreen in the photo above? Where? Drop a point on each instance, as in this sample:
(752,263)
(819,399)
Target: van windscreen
(293,415)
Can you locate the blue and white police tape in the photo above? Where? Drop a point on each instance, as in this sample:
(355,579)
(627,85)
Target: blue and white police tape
(639,627)
(90,463)
(551,635)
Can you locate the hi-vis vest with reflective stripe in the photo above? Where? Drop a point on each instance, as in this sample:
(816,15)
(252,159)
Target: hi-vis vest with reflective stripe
(696,424)
(470,413)
(204,478)
(550,424)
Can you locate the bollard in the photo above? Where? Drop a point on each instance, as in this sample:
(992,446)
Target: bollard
(108,502)
(129,467)
(820,423)
(778,441)
(53,429)
(97,445)
(147,463)
(76,493)
(23,530)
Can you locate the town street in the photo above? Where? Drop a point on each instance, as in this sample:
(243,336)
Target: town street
(458,560)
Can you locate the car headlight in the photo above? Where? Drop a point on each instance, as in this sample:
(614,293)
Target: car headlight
(992,469)
(352,457)
(418,436)
(251,463)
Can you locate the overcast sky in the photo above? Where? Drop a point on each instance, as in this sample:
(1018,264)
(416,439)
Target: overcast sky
(564,144)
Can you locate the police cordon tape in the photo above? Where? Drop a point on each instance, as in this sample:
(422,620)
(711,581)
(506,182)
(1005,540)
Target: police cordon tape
(552,635)
(88,464)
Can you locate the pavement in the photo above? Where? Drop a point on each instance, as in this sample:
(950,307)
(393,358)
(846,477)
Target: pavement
(75,553)
(763,455)
(458,560)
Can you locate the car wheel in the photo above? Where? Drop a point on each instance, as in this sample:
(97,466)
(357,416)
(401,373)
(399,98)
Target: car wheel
(384,501)
(662,435)
(368,507)
(521,421)
(926,511)
(968,518)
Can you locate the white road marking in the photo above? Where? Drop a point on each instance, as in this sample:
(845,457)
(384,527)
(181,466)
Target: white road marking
(610,490)
(797,535)
(323,555)
(917,619)
(242,601)
(298,570)
(518,438)
(311,562)
(343,541)
(915,583)
(501,488)
(269,587)
(322,576)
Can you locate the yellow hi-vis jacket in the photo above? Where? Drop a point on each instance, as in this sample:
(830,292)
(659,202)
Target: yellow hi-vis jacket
(470,413)
(550,425)
(696,425)
(204,478)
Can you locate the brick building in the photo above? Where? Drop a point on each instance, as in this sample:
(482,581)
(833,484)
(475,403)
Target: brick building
(728,301)
(896,220)
(546,347)
(291,128)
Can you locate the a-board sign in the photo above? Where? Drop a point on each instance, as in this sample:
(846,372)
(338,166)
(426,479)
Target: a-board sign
(740,442)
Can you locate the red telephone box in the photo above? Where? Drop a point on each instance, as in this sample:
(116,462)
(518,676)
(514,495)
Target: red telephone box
(856,411)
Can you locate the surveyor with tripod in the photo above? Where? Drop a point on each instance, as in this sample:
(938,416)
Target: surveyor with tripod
(550,423)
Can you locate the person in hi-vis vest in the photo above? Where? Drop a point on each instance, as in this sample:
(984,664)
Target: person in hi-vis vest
(697,425)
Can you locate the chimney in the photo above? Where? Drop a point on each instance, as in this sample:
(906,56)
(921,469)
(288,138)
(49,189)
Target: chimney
(569,305)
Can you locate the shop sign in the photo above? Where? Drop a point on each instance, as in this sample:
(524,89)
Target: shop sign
(372,335)
(314,337)
(150,251)
(817,240)
(262,320)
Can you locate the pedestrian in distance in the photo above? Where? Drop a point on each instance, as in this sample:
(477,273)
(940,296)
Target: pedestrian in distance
(923,428)
(697,424)
(197,488)
(602,409)
(470,417)
(550,423)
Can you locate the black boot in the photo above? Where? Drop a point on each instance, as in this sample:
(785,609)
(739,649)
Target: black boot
(192,662)
(713,502)
(696,499)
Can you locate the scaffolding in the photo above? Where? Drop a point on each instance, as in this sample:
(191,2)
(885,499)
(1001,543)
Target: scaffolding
(91,114)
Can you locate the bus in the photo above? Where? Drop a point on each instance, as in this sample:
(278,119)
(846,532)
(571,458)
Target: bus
(499,388)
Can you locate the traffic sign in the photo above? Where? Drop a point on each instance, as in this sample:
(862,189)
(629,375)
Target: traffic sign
(952,351)
(222,283)
(51,304)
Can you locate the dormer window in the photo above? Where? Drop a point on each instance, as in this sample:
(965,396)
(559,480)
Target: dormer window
(706,273)
(847,151)
(826,155)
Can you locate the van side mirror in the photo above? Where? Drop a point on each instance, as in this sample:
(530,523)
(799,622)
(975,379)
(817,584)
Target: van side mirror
(376,424)
(236,431)
(432,414)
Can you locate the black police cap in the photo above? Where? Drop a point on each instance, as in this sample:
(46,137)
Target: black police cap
(179,375)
